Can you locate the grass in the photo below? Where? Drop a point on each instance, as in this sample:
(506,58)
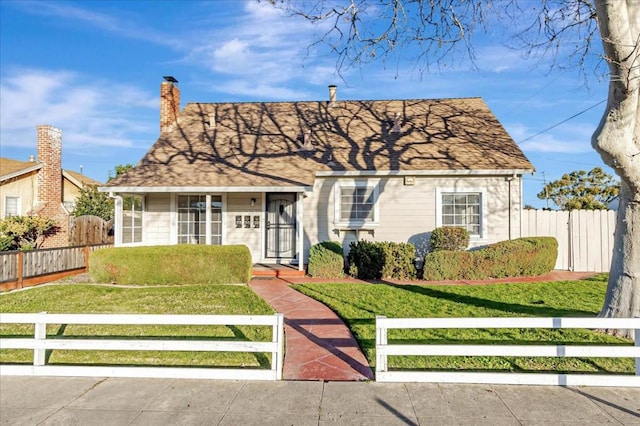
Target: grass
(186,299)
(358,304)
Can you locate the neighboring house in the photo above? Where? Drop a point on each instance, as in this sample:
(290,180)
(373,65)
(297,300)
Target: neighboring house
(40,186)
(282,176)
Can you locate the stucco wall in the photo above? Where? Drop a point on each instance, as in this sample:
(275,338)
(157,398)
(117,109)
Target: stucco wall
(25,187)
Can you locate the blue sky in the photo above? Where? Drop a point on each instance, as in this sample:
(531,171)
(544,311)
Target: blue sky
(94,68)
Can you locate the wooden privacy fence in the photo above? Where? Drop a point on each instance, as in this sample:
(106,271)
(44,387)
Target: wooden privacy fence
(40,344)
(384,350)
(28,268)
(89,230)
(585,237)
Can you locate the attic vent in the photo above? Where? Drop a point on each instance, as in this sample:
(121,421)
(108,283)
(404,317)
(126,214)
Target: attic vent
(332,94)
(212,120)
(397,124)
(306,141)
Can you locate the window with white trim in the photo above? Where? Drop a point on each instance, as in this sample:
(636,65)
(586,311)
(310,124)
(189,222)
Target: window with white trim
(356,203)
(462,209)
(11,206)
(132,209)
(199,219)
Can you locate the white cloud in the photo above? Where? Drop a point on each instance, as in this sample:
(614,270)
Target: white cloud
(91,113)
(572,139)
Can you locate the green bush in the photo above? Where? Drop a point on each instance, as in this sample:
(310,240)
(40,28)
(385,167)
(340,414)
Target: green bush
(171,265)
(452,238)
(376,260)
(520,257)
(326,260)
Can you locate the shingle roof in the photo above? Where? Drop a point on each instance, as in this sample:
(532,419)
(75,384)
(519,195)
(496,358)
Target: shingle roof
(14,168)
(84,180)
(9,167)
(263,144)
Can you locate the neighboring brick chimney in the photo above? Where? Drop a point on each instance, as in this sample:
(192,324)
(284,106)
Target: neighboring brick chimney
(49,196)
(169,103)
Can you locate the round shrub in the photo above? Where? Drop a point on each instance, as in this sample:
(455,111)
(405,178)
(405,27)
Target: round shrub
(452,238)
(326,260)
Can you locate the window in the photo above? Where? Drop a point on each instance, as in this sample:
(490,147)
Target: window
(132,208)
(11,206)
(193,225)
(356,204)
(462,209)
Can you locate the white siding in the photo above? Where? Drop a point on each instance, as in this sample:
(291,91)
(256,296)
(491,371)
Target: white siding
(157,225)
(239,204)
(408,212)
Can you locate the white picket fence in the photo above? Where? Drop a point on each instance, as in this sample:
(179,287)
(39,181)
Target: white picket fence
(40,344)
(585,237)
(384,350)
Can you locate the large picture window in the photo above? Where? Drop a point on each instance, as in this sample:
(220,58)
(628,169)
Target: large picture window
(132,209)
(464,210)
(199,219)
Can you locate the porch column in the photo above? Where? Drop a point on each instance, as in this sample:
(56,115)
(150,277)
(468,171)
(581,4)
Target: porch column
(117,220)
(300,229)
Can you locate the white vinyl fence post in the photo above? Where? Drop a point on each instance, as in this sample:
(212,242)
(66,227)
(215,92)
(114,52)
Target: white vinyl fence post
(381,339)
(40,334)
(278,337)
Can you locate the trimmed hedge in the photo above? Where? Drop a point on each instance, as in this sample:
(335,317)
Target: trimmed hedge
(326,260)
(172,265)
(453,238)
(376,260)
(515,258)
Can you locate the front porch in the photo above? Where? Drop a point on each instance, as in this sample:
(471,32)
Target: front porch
(277,270)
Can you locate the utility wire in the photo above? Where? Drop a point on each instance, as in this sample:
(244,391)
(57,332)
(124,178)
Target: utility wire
(562,122)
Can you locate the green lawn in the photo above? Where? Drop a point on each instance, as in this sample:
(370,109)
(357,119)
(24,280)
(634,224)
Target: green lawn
(195,299)
(358,304)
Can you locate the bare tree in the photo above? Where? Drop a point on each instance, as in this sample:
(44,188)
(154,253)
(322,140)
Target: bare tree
(441,31)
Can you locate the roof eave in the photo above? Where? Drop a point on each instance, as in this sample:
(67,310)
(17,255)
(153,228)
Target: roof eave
(459,172)
(147,189)
(20,172)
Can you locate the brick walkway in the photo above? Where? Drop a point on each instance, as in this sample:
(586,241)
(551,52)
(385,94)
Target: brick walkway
(319,346)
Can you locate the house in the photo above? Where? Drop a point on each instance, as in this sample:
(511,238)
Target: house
(282,176)
(40,186)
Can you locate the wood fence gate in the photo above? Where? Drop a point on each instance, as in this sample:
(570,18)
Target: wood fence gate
(90,230)
(585,237)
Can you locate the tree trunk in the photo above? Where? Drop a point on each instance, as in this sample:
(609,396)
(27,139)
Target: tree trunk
(617,139)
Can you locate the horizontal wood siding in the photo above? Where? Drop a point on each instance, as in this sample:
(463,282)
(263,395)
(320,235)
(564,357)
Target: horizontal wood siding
(239,204)
(407,213)
(157,226)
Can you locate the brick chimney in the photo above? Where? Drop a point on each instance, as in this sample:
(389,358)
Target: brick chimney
(49,195)
(169,103)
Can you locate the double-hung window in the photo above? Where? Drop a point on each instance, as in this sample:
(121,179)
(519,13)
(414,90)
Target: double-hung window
(356,204)
(132,209)
(463,209)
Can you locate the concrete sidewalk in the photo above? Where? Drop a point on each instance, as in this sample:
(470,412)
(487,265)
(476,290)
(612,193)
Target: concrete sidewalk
(114,401)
